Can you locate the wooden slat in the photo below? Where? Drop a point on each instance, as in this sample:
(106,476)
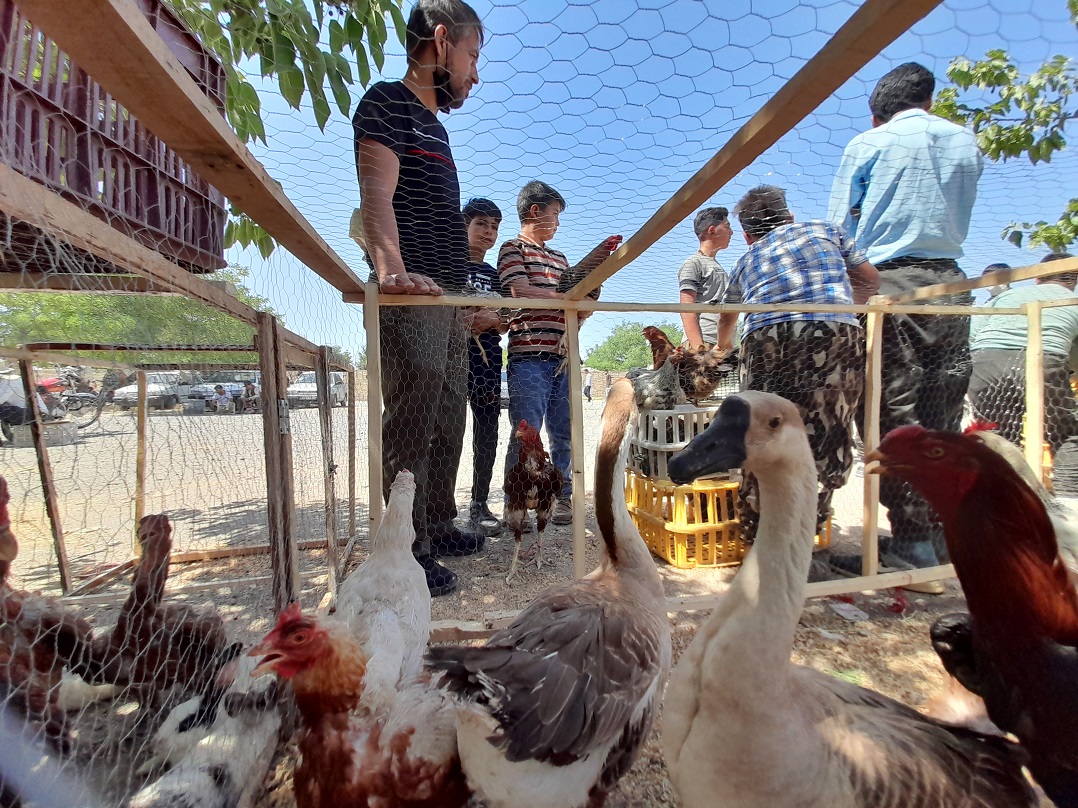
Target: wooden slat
(141,430)
(44,467)
(992,279)
(35,204)
(1033,430)
(61,359)
(870,559)
(109,347)
(113,42)
(89,283)
(351,457)
(576,425)
(329,467)
(876,24)
(224,584)
(103,578)
(192,556)
(374,408)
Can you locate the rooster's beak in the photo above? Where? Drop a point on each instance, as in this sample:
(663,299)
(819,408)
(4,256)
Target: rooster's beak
(271,658)
(876,462)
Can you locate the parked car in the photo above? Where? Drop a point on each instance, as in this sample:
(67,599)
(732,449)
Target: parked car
(231,380)
(164,388)
(304,391)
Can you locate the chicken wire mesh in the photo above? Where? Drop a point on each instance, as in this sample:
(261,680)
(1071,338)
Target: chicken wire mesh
(614,107)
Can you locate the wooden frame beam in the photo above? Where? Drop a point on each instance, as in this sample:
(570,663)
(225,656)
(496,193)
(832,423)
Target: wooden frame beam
(329,466)
(991,279)
(864,35)
(114,42)
(61,359)
(36,205)
(91,283)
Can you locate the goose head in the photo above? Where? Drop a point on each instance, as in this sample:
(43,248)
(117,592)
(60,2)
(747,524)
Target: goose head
(759,432)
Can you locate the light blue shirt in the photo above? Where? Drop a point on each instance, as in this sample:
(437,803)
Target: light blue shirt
(907,187)
(1008,332)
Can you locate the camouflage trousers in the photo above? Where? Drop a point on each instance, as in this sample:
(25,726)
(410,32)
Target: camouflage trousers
(820,366)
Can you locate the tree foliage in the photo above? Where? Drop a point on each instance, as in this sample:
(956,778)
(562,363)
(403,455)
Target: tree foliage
(626,348)
(1017,115)
(130,319)
(308,46)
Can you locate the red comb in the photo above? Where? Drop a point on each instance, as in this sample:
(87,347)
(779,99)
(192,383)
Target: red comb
(980,425)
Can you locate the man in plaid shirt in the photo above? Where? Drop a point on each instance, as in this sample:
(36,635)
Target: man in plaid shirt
(814,359)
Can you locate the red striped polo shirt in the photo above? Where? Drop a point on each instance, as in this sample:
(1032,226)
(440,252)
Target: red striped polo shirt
(532,331)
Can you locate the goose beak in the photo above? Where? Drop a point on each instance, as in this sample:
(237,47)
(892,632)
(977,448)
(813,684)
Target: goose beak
(718,448)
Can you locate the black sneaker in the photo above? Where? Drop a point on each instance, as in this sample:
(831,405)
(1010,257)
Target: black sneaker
(483,520)
(456,543)
(440,580)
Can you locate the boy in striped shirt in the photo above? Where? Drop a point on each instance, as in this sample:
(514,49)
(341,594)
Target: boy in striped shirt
(538,384)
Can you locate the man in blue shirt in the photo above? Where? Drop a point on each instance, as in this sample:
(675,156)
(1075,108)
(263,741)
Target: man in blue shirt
(905,191)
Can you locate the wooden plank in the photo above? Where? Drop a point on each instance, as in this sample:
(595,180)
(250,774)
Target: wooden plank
(224,584)
(113,42)
(117,348)
(88,283)
(1033,429)
(576,438)
(351,456)
(876,24)
(193,556)
(870,559)
(279,485)
(103,578)
(457,631)
(374,407)
(329,468)
(141,429)
(676,308)
(35,204)
(992,279)
(44,467)
(61,359)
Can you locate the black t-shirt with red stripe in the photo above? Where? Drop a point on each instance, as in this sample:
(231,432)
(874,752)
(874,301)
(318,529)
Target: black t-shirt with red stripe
(433,238)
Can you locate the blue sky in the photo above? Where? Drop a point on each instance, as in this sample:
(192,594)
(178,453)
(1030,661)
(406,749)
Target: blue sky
(617,104)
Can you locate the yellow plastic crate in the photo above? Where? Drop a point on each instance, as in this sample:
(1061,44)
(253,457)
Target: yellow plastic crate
(691,525)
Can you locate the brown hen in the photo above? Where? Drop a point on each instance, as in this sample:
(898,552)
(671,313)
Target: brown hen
(700,371)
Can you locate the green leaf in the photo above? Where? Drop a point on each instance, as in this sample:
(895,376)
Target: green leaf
(362,65)
(336,36)
(321,108)
(337,85)
(291,83)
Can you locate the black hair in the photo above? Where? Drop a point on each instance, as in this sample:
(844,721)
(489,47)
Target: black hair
(708,217)
(995,268)
(1055,256)
(457,16)
(538,193)
(762,209)
(477,206)
(908,86)
(1062,277)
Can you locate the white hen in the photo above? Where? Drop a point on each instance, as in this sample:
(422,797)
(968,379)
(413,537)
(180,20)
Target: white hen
(386,602)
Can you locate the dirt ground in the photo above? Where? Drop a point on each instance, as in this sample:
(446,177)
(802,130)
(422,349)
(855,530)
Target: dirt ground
(207,473)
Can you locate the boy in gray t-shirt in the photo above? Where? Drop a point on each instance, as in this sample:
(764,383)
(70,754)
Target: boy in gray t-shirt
(701,279)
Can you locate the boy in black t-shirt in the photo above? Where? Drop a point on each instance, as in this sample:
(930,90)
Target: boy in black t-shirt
(482,218)
(416,244)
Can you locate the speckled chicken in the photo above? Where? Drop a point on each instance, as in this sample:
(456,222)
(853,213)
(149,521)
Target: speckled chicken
(700,371)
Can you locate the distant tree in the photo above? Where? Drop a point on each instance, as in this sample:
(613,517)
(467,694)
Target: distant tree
(626,347)
(300,43)
(341,355)
(130,319)
(1015,115)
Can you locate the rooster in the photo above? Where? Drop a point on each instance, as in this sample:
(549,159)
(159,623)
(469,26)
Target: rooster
(375,732)
(657,389)
(1018,647)
(156,645)
(700,371)
(533,483)
(554,709)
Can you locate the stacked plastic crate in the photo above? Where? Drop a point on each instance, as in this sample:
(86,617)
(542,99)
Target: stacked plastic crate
(691,525)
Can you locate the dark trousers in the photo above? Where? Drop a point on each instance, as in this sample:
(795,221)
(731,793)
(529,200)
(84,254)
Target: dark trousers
(424,395)
(926,371)
(484,397)
(819,366)
(997,392)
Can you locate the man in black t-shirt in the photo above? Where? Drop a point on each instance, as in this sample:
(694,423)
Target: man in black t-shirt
(417,244)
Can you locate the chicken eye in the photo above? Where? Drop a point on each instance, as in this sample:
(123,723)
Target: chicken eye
(299,638)
(775,422)
(934,452)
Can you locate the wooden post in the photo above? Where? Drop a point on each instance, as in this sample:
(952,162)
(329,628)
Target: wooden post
(44,467)
(280,491)
(1033,432)
(870,559)
(325,418)
(374,407)
(351,456)
(141,424)
(576,415)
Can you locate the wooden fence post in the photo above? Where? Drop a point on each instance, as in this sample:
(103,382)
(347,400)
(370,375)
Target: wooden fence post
(870,559)
(280,489)
(141,425)
(1033,431)
(576,416)
(374,407)
(351,457)
(325,418)
(44,467)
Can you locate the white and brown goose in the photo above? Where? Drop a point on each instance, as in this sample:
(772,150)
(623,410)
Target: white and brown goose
(555,708)
(778,734)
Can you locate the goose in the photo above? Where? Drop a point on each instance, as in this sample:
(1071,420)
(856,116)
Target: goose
(778,734)
(554,709)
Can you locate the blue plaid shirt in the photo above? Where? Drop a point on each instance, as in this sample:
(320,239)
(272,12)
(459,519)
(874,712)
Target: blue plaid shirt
(803,262)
